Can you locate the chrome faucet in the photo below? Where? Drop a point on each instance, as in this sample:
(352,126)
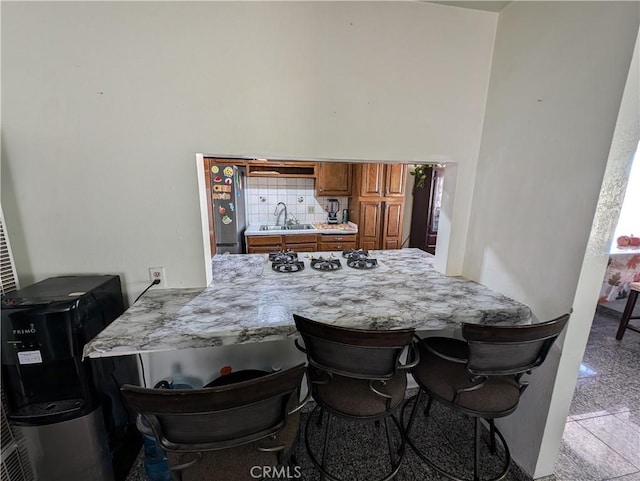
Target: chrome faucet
(286,214)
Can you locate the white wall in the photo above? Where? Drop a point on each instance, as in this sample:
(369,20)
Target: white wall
(616,178)
(557,79)
(104,105)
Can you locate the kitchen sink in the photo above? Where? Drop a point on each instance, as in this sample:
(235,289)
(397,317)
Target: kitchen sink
(273,227)
(286,227)
(300,227)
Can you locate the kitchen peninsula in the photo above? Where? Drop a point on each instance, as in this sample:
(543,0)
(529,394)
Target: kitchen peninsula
(248,302)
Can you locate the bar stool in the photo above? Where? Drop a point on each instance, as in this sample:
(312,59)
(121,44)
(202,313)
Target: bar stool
(480,377)
(230,432)
(356,374)
(628,311)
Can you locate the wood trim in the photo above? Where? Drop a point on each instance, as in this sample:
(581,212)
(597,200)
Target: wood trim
(337,238)
(207,180)
(336,246)
(281,169)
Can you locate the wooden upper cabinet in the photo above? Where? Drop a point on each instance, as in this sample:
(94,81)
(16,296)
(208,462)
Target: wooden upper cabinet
(333,178)
(381,180)
(395,178)
(371,180)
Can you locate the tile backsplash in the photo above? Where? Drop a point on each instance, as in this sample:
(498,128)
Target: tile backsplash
(263,194)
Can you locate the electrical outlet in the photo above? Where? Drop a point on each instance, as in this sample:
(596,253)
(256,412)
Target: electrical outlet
(157,273)
(311,209)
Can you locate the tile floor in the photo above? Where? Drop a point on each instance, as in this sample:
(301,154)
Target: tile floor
(601,439)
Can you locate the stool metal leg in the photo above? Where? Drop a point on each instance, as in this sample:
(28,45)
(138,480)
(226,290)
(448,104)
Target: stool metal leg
(326,444)
(396,461)
(492,432)
(626,315)
(476,449)
(418,398)
(428,408)
(389,443)
(476,445)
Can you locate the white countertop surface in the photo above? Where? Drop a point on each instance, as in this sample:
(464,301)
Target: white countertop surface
(247,302)
(319,228)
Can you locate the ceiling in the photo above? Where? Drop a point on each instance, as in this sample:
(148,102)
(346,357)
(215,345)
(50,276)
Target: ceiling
(476,5)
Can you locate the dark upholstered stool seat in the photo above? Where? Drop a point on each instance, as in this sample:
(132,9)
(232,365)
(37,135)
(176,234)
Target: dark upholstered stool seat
(235,464)
(481,377)
(353,397)
(222,432)
(444,378)
(356,374)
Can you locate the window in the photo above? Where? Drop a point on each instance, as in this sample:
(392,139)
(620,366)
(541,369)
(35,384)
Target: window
(629,220)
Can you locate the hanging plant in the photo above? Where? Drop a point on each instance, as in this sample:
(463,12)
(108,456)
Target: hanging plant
(420,173)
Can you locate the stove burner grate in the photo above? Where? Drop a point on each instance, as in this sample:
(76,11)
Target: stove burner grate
(353,254)
(326,264)
(293,266)
(282,256)
(366,263)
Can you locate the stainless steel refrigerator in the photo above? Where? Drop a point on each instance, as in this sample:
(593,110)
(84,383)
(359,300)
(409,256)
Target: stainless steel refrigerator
(228,202)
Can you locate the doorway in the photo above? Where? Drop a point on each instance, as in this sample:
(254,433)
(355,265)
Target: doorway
(427,202)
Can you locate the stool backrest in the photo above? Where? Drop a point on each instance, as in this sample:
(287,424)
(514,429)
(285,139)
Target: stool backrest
(356,353)
(498,350)
(217,417)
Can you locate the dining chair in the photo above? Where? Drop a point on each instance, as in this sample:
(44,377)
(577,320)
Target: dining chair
(627,315)
(356,375)
(481,377)
(223,432)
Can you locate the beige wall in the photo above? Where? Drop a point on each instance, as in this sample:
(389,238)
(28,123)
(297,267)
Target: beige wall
(558,75)
(104,105)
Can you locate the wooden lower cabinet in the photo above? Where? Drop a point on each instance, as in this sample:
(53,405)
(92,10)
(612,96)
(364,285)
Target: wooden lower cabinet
(379,224)
(264,244)
(261,244)
(301,242)
(368,222)
(392,226)
(336,242)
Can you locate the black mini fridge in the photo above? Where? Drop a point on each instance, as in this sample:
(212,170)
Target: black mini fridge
(68,411)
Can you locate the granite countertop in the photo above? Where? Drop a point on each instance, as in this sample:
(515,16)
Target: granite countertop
(318,228)
(248,302)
